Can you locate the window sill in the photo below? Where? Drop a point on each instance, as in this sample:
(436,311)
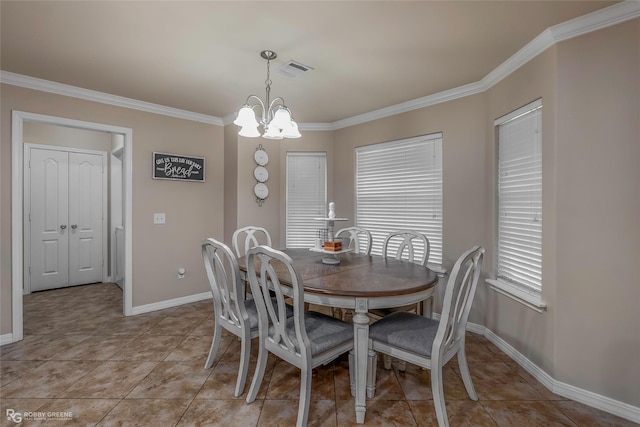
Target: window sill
(533,301)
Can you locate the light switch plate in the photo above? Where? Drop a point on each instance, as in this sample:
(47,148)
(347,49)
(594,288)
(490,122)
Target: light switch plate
(158,218)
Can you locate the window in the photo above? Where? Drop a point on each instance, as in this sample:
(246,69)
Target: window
(306,197)
(519,222)
(399,186)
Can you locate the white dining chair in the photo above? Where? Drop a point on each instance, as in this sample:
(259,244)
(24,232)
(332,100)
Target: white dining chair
(231,310)
(306,340)
(359,239)
(248,237)
(431,343)
(408,245)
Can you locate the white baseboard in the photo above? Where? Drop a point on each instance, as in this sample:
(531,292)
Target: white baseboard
(147,308)
(621,409)
(6,339)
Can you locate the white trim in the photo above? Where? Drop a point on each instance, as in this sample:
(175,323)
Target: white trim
(161,305)
(594,400)
(415,104)
(17,200)
(516,113)
(586,397)
(533,300)
(597,20)
(6,339)
(103,98)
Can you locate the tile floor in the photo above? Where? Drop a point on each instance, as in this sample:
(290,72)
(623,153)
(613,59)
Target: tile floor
(82,363)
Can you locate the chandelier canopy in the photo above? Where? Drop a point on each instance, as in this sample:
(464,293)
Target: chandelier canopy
(276,117)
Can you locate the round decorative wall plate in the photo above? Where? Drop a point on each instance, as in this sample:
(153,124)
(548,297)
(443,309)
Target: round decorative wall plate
(261,157)
(261,191)
(261,173)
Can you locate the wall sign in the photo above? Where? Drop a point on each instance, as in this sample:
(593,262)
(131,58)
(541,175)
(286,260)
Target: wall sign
(178,167)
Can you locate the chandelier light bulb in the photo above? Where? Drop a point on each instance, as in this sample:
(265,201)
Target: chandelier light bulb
(246,117)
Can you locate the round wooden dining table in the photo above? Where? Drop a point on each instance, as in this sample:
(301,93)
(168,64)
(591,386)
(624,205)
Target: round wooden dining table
(359,282)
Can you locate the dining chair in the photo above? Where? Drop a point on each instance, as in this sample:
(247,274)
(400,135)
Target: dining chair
(231,310)
(359,238)
(245,238)
(306,340)
(431,343)
(248,237)
(408,245)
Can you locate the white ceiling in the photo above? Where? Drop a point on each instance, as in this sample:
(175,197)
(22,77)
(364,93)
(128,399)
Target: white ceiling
(204,57)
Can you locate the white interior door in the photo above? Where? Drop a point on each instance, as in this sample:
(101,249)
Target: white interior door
(85,218)
(48,219)
(66,218)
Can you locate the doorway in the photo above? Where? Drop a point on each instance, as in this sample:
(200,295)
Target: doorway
(19,118)
(65,216)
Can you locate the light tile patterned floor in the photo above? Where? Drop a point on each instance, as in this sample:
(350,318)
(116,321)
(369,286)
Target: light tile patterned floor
(83,360)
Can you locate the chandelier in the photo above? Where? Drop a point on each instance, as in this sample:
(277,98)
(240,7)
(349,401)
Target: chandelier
(276,118)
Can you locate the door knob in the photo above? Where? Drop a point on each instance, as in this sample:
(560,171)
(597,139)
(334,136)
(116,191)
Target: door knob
(63,226)
(74,226)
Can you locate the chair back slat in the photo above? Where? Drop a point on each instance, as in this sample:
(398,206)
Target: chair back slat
(411,242)
(249,237)
(360,239)
(223,273)
(458,297)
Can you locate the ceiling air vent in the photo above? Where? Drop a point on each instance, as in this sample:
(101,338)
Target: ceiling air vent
(292,69)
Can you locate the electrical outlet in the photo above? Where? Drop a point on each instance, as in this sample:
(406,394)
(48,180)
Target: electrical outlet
(159,218)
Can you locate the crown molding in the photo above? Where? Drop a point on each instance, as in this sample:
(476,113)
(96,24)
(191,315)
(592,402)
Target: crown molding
(603,18)
(612,15)
(103,98)
(599,19)
(414,104)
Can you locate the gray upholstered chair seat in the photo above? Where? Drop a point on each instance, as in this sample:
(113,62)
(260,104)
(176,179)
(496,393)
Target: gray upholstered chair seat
(324,332)
(408,331)
(252,311)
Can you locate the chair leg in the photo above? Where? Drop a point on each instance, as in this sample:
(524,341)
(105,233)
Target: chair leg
(466,375)
(438,396)
(372,369)
(258,375)
(215,343)
(348,316)
(402,365)
(305,395)
(245,350)
(387,361)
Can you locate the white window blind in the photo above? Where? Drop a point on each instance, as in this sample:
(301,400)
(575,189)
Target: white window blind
(306,197)
(519,254)
(399,186)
